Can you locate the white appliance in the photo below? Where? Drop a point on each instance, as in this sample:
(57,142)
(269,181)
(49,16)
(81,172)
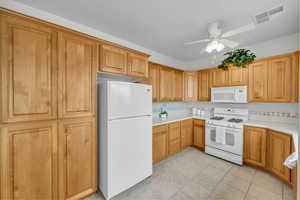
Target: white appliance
(235,94)
(224,134)
(125,135)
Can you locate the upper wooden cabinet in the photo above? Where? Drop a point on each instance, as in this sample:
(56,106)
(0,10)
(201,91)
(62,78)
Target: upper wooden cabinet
(279,150)
(77,75)
(190,86)
(28,70)
(166,84)
(29,161)
(295,77)
(279,79)
(153,80)
(219,78)
(160,143)
(119,60)
(77,166)
(237,76)
(255,146)
(137,65)
(113,59)
(178,86)
(258,81)
(204,85)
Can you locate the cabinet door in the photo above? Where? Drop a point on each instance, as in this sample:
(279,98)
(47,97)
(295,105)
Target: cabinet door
(113,59)
(199,133)
(190,86)
(204,85)
(255,146)
(279,150)
(279,79)
(29,161)
(186,133)
(77,166)
(219,78)
(178,84)
(154,80)
(238,76)
(77,76)
(258,81)
(28,71)
(137,65)
(160,143)
(174,138)
(165,84)
(295,77)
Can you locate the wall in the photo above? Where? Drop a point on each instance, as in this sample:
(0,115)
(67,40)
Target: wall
(280,112)
(281,45)
(33,12)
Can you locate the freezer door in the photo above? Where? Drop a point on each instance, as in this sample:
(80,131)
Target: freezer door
(128,100)
(129,153)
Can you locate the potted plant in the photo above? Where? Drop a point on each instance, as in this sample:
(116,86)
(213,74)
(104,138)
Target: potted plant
(237,58)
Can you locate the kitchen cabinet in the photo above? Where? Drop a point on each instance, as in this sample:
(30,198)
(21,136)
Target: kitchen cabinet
(174,138)
(204,85)
(294,176)
(219,78)
(160,143)
(190,85)
(153,80)
(258,81)
(199,133)
(255,146)
(186,133)
(178,86)
(113,59)
(237,76)
(279,79)
(77,75)
(278,150)
(295,77)
(166,84)
(28,71)
(77,164)
(29,161)
(137,65)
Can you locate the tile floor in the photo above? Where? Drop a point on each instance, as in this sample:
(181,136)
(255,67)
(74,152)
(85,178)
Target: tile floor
(194,175)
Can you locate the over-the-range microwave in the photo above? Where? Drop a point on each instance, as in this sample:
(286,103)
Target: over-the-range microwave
(235,94)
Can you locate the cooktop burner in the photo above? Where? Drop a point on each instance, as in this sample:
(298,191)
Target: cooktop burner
(235,120)
(217,118)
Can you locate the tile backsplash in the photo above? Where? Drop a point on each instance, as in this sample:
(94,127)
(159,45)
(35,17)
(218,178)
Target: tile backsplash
(278,112)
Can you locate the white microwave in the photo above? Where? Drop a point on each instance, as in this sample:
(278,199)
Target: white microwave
(236,94)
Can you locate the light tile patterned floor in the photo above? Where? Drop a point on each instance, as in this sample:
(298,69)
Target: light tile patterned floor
(194,175)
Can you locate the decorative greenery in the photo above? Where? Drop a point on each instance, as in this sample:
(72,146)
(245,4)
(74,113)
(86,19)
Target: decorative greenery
(237,58)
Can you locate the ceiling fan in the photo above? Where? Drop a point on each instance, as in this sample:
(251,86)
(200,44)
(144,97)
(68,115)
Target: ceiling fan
(217,40)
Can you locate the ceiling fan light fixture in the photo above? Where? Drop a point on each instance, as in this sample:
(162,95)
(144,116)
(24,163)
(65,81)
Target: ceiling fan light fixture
(220,47)
(214,45)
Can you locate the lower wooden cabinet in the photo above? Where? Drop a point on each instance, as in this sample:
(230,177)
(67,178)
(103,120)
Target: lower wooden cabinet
(77,163)
(174,138)
(279,149)
(186,133)
(29,161)
(160,150)
(255,146)
(199,133)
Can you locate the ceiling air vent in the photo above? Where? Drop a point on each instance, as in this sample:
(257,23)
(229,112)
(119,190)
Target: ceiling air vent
(269,15)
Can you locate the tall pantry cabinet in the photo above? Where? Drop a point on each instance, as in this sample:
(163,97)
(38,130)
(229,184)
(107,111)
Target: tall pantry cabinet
(47,122)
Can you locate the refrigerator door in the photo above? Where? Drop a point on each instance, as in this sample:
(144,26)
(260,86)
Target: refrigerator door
(129,153)
(128,100)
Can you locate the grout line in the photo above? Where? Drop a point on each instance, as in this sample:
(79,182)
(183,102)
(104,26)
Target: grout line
(251,183)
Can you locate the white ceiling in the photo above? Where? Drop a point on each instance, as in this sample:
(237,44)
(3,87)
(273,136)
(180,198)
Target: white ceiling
(164,26)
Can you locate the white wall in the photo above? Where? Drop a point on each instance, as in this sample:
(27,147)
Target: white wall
(33,12)
(281,45)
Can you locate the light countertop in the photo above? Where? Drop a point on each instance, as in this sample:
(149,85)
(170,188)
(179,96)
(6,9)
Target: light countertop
(291,129)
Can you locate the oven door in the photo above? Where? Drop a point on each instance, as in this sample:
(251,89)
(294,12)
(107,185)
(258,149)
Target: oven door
(232,139)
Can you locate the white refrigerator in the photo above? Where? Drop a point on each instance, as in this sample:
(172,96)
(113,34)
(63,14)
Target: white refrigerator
(125,135)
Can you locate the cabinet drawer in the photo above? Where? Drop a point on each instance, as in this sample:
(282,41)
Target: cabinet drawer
(199,122)
(160,129)
(188,122)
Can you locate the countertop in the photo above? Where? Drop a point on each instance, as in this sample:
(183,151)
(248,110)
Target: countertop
(291,129)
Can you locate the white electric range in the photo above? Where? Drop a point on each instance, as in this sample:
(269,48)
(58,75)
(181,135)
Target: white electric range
(224,134)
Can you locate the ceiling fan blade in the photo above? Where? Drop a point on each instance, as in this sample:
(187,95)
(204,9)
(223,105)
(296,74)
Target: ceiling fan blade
(229,43)
(239,30)
(197,41)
